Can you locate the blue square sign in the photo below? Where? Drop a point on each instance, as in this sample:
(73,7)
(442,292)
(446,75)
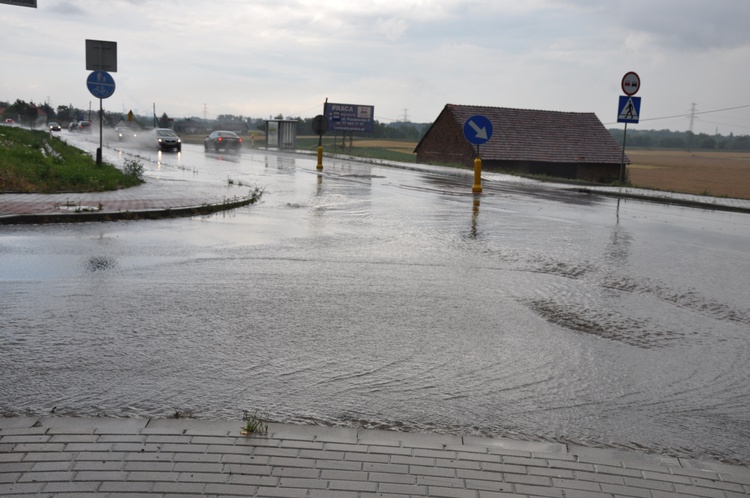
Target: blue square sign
(629,109)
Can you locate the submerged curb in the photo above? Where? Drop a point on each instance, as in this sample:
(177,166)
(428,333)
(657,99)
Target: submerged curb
(665,200)
(141,214)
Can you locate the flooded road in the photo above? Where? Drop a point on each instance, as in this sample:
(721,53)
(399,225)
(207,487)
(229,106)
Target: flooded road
(391,298)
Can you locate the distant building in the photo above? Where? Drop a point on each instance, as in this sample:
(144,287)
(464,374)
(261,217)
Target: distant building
(192,126)
(239,126)
(121,121)
(560,144)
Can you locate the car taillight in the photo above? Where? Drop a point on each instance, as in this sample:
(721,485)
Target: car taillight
(239,140)
(220,139)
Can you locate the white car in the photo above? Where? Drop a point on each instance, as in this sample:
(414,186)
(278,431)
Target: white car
(125,133)
(166,139)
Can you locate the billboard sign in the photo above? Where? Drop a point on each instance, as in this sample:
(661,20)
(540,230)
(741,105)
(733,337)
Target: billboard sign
(350,117)
(101,56)
(21,3)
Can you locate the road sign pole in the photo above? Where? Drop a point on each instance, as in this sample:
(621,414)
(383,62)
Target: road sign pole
(477,130)
(622,157)
(99,150)
(320,126)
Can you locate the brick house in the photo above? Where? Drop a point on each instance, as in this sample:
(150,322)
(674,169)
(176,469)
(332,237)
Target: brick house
(560,144)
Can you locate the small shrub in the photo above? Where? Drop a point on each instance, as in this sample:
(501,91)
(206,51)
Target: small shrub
(134,168)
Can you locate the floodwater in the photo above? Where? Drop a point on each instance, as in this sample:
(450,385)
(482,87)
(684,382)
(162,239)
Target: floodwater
(382,297)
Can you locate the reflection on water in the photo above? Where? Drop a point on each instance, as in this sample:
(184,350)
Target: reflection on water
(379,298)
(474,217)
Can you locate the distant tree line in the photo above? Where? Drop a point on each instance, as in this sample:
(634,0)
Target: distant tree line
(667,139)
(65,114)
(27,112)
(23,112)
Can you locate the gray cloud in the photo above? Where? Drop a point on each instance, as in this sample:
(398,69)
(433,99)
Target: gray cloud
(679,25)
(67,9)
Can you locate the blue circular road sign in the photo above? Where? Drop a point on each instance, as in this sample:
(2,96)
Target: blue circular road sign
(478,129)
(101,84)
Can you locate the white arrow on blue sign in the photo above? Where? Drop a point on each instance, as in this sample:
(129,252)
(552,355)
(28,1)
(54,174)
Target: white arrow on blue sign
(478,129)
(101,84)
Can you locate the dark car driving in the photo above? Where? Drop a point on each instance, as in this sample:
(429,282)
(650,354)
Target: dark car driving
(85,127)
(221,139)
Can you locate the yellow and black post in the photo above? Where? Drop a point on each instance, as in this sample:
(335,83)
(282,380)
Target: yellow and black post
(477,187)
(320,126)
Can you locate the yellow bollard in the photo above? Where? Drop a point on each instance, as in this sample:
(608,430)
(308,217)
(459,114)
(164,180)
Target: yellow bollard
(320,157)
(477,187)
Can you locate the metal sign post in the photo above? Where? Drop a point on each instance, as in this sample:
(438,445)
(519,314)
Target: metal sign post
(320,126)
(628,110)
(477,130)
(101,85)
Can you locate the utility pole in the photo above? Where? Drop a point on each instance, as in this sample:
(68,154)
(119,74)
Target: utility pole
(692,119)
(406,115)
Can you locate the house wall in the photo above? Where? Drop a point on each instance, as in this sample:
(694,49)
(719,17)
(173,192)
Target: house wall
(445,143)
(598,173)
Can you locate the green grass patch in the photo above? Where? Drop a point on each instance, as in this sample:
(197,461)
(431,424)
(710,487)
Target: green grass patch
(35,161)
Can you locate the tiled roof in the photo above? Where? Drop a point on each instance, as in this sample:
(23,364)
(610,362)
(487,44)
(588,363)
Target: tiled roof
(545,136)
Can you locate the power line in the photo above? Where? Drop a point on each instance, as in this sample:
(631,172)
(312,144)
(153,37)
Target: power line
(692,114)
(316,106)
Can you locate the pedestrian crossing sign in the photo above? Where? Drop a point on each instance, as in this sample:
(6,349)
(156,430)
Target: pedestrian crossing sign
(629,109)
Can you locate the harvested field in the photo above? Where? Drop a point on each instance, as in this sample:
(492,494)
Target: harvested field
(394,145)
(724,173)
(715,173)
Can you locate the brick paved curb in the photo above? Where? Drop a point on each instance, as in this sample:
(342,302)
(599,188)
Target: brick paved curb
(49,456)
(137,214)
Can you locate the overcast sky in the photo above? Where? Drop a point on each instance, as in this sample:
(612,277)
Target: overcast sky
(408,58)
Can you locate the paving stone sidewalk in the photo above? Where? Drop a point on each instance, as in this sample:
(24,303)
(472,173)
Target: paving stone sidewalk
(56,457)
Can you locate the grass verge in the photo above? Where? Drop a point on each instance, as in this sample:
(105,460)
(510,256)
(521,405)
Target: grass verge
(35,161)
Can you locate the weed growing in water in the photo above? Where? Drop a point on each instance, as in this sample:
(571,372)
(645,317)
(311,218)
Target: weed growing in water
(253,424)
